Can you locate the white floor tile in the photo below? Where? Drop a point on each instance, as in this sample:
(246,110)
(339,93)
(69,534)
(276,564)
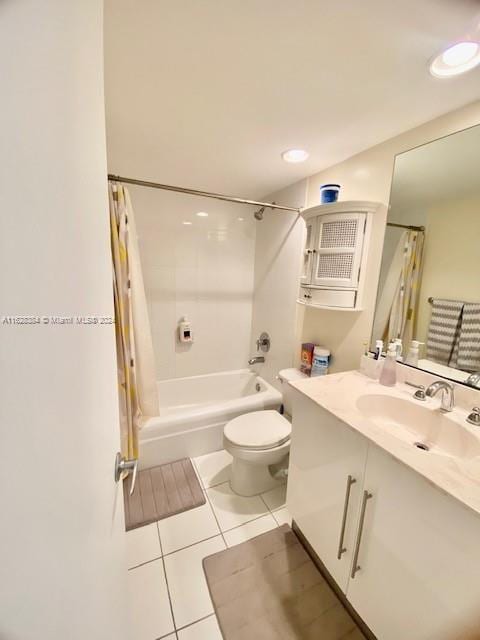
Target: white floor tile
(143,545)
(282,516)
(214,468)
(187,528)
(207,629)
(233,510)
(276,498)
(187,583)
(250,530)
(150,614)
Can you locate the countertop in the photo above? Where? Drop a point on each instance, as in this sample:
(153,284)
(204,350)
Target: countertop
(338,394)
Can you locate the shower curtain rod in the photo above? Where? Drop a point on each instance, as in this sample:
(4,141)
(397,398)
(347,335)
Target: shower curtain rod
(405,226)
(204,194)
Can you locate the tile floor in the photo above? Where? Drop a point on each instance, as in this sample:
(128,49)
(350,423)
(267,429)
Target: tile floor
(170,598)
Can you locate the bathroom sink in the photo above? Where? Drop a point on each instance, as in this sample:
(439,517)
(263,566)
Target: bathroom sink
(430,430)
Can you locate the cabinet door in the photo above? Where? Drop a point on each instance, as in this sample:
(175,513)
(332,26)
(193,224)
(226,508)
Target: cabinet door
(419,558)
(306,271)
(338,250)
(327,461)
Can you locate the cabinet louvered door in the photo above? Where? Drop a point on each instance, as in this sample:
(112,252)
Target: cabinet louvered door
(338,250)
(306,274)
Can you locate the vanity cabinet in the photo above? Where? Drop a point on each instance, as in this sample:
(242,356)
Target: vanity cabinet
(418,575)
(325,480)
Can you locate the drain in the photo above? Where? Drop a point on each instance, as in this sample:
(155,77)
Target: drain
(422,446)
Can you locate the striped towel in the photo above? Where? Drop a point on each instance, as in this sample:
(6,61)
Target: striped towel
(444,331)
(469,341)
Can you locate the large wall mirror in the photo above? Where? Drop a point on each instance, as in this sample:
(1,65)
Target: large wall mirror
(429,287)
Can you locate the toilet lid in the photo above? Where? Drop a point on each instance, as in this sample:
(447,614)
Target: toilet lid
(258,430)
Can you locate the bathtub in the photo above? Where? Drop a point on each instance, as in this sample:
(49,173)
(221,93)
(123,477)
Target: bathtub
(194,410)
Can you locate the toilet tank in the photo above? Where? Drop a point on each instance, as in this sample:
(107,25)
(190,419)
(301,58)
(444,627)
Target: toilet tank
(285,376)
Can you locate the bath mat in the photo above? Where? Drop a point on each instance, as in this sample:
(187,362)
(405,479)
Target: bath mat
(268,588)
(161,492)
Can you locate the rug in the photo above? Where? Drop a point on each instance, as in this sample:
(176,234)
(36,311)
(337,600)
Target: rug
(161,492)
(268,588)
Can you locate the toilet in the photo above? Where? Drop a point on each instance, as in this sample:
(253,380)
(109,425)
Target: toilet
(259,443)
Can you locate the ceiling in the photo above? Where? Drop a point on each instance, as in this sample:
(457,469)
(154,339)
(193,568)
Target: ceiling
(208,93)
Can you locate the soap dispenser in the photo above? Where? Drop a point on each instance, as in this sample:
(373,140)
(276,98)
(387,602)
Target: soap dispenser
(388,377)
(185,330)
(412,357)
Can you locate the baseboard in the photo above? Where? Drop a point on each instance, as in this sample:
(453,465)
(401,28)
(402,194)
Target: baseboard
(334,586)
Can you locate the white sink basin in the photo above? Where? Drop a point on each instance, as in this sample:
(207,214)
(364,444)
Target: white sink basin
(421,425)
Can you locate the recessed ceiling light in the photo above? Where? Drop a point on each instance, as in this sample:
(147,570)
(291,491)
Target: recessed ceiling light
(240,219)
(295,155)
(186,222)
(202,214)
(456,59)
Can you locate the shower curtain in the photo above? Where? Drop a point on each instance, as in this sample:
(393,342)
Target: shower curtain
(137,389)
(398,305)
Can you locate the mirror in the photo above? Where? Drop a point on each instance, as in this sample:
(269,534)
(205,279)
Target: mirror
(429,285)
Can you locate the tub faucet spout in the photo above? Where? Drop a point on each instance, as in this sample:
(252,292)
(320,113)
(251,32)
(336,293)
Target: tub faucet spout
(256,360)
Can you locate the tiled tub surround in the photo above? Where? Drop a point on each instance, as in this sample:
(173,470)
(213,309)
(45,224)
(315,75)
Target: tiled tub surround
(170,597)
(194,411)
(457,475)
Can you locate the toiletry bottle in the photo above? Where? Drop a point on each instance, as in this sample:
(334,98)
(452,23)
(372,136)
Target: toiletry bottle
(378,349)
(321,359)
(412,357)
(388,377)
(399,348)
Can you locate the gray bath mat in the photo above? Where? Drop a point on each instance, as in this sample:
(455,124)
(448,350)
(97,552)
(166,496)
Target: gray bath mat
(161,492)
(268,588)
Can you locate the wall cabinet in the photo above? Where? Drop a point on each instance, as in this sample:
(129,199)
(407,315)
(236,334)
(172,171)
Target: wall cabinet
(335,253)
(416,572)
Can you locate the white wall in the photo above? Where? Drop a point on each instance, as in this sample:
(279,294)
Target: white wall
(367,176)
(203,270)
(61,541)
(279,239)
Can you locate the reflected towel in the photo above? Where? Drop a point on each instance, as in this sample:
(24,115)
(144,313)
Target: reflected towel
(444,331)
(469,339)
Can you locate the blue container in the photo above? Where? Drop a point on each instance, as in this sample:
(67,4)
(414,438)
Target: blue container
(329,193)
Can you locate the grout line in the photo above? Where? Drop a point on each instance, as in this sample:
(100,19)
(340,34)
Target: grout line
(166,582)
(144,563)
(190,624)
(212,509)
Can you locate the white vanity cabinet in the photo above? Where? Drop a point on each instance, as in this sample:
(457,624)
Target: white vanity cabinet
(419,558)
(325,480)
(418,575)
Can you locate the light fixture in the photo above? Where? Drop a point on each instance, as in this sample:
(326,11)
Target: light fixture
(295,155)
(240,219)
(456,59)
(202,214)
(186,223)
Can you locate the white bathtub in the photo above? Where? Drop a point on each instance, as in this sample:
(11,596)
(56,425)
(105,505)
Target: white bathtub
(193,412)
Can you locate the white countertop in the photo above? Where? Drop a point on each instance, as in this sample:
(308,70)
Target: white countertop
(338,394)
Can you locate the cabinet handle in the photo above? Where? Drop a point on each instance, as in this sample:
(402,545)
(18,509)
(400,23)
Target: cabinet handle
(341,549)
(355,565)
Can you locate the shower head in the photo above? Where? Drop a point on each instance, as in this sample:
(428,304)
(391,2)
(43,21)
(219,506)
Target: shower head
(258,215)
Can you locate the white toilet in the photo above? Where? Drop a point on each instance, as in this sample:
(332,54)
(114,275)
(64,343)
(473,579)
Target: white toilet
(258,440)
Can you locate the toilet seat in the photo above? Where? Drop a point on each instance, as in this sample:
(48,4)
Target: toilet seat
(258,430)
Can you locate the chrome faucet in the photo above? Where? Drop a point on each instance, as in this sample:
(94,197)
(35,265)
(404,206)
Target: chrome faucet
(447,389)
(256,359)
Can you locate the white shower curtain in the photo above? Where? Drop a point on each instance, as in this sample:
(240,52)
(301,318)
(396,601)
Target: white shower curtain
(135,363)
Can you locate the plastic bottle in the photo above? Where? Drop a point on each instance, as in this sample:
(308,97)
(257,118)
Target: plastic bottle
(321,358)
(413,353)
(378,349)
(388,377)
(399,348)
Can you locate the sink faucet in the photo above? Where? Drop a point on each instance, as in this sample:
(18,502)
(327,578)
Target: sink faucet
(448,398)
(256,359)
